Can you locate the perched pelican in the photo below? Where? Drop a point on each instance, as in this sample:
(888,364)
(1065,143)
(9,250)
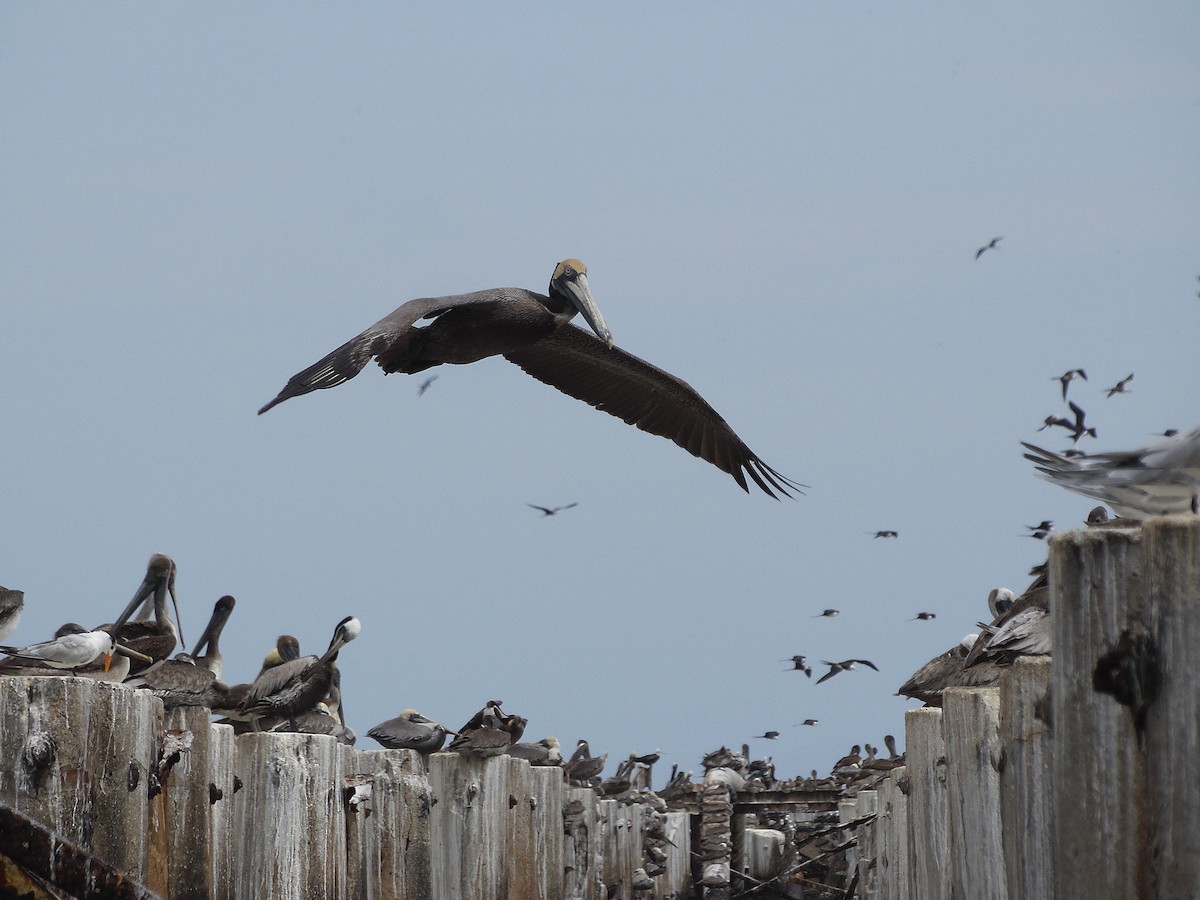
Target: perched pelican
(943,671)
(491,708)
(546,752)
(1158,479)
(410,731)
(286,649)
(534,331)
(582,766)
(11,604)
(489,739)
(297,686)
(211,659)
(155,638)
(181,682)
(1021,630)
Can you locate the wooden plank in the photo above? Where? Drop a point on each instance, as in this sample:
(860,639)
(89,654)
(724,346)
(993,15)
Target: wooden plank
(469,826)
(521,854)
(892,868)
(389,843)
(971,731)
(867,804)
(1099,776)
(291,823)
(582,845)
(1026,780)
(188,810)
(548,792)
(929,872)
(676,881)
(221,788)
(1172,553)
(90,784)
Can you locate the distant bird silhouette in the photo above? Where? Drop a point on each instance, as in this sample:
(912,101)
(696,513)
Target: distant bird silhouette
(808,722)
(846,665)
(1170,432)
(923,617)
(886,534)
(1080,429)
(1159,479)
(990,245)
(425,385)
(1059,421)
(828,614)
(1120,386)
(552,510)
(799,664)
(767,735)
(1067,377)
(1040,531)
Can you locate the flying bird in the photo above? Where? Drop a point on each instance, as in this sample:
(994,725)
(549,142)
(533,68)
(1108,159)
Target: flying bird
(1040,531)
(799,664)
(846,665)
(1158,479)
(990,245)
(767,735)
(533,330)
(1120,386)
(1067,377)
(886,534)
(807,722)
(423,388)
(828,614)
(551,510)
(1079,429)
(923,617)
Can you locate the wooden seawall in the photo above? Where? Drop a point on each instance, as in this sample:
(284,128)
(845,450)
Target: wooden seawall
(1050,786)
(190,811)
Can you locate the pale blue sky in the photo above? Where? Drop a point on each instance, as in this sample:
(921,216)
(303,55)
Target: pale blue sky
(779,203)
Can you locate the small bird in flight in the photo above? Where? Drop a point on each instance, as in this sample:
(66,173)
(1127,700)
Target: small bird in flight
(1039,531)
(886,534)
(1067,377)
(425,385)
(552,510)
(846,665)
(828,614)
(806,722)
(1079,430)
(768,735)
(1119,387)
(923,617)
(799,664)
(990,245)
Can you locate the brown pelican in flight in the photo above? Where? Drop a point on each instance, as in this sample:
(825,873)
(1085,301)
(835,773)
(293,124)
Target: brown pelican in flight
(533,330)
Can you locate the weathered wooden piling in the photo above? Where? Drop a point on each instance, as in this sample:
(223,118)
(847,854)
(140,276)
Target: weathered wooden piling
(1026,789)
(929,865)
(78,754)
(388,833)
(186,801)
(470,819)
(866,807)
(581,845)
(892,821)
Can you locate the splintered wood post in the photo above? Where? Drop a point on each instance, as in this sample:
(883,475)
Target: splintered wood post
(929,869)
(187,805)
(581,845)
(867,804)
(971,730)
(77,755)
(848,812)
(390,843)
(1026,779)
(469,826)
(612,830)
(523,851)
(892,870)
(1171,551)
(547,793)
(221,787)
(291,823)
(676,882)
(762,853)
(1099,777)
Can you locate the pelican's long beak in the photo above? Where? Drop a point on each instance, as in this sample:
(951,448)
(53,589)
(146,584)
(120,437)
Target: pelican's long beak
(132,654)
(581,298)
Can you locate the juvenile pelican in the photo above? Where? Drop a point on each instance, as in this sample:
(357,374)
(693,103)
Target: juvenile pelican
(489,739)
(545,752)
(533,330)
(154,638)
(1158,479)
(410,731)
(211,659)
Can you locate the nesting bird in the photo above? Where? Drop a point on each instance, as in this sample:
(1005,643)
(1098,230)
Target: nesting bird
(410,731)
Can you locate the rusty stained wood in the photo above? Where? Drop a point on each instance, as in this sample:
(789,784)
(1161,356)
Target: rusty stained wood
(289,817)
(389,835)
(1171,550)
(470,820)
(971,731)
(1026,779)
(929,863)
(78,753)
(1099,776)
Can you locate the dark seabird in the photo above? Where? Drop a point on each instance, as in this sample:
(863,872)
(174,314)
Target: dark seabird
(425,385)
(155,638)
(551,510)
(1021,630)
(927,683)
(767,735)
(490,708)
(1160,479)
(923,617)
(410,731)
(11,603)
(799,664)
(1067,377)
(990,245)
(297,686)
(286,649)
(211,658)
(1079,429)
(582,767)
(886,534)
(181,682)
(808,722)
(489,739)
(828,614)
(533,330)
(846,665)
(1120,386)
